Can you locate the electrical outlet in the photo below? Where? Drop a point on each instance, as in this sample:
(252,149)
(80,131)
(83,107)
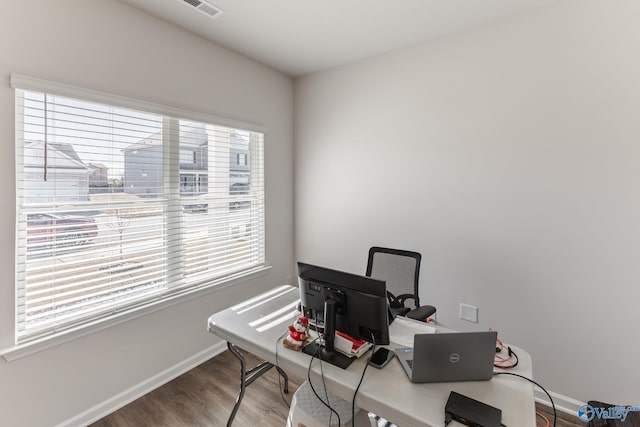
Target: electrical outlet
(469,312)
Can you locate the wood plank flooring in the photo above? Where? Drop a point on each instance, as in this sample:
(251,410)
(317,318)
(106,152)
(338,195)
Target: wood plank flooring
(205,396)
(564,419)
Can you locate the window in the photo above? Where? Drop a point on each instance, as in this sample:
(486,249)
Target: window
(118,207)
(187,156)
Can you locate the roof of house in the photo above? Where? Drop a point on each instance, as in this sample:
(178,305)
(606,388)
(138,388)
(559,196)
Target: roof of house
(65,151)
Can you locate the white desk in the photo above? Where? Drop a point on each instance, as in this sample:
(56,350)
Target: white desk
(257,324)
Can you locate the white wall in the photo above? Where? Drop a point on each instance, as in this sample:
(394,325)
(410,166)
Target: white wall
(508,156)
(108,46)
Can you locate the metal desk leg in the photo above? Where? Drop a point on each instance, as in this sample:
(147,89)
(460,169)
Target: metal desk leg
(248,377)
(239,356)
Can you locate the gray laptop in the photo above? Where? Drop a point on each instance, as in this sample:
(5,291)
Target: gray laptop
(458,356)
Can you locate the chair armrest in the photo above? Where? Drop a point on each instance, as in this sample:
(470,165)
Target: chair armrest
(404,297)
(421,313)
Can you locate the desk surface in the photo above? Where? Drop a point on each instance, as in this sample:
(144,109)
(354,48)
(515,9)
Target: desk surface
(258,324)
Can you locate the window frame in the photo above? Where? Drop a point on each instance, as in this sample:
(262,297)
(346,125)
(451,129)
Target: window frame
(108,319)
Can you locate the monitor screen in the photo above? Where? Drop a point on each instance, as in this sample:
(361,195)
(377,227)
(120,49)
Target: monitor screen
(353,304)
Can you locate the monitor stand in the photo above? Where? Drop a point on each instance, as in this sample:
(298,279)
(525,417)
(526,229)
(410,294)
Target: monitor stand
(334,357)
(327,352)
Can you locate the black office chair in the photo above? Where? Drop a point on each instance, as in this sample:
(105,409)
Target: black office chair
(401,270)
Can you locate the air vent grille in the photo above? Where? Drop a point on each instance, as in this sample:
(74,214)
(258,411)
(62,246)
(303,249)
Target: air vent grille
(204,7)
(208,9)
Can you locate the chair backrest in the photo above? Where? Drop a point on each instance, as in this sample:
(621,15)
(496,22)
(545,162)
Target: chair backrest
(399,268)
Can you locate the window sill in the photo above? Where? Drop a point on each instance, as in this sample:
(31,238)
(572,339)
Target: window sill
(26,349)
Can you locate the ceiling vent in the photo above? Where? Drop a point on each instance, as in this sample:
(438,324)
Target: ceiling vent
(204,7)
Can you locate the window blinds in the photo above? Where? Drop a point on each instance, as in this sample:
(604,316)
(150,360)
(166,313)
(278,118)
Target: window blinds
(117,207)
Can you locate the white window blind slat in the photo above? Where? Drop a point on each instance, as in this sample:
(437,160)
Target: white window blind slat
(117,207)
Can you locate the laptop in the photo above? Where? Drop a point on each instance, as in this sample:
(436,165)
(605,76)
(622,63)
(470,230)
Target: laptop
(444,357)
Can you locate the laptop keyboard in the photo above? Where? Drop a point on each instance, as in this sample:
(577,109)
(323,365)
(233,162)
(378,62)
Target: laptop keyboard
(410,363)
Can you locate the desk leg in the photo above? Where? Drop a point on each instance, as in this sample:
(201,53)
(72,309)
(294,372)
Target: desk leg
(248,377)
(243,372)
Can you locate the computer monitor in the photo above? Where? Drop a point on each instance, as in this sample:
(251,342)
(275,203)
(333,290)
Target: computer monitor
(353,304)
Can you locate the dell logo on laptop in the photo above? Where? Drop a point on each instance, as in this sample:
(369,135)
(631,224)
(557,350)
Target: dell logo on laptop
(454,358)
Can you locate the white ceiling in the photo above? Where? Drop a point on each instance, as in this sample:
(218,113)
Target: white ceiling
(299,37)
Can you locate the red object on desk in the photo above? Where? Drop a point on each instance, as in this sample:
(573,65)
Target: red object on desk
(356,344)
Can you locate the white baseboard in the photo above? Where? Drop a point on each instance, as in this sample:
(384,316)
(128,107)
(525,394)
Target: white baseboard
(118,401)
(565,404)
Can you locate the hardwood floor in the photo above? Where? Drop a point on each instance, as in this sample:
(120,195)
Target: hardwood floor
(564,420)
(205,396)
